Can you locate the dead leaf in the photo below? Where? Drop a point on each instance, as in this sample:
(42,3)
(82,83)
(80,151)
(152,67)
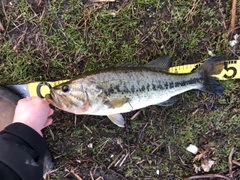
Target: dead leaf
(196,168)
(198,157)
(206,166)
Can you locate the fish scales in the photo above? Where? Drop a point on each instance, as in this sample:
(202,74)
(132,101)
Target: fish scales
(123,89)
(151,86)
(140,82)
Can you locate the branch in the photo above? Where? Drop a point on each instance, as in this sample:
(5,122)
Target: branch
(233,16)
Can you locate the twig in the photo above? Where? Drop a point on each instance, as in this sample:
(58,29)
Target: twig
(128,142)
(89,130)
(103,165)
(233,16)
(124,159)
(50,131)
(91,175)
(208,176)
(221,11)
(193,8)
(124,178)
(230,162)
(146,37)
(1,27)
(75,120)
(235,162)
(100,178)
(45,176)
(141,133)
(6,17)
(158,145)
(96,1)
(110,165)
(166,160)
(135,115)
(169,152)
(103,145)
(77,176)
(236,173)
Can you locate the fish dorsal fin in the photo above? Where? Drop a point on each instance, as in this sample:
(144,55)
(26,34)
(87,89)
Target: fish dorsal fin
(162,62)
(168,102)
(117,119)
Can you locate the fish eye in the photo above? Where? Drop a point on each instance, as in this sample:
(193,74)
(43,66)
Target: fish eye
(65,88)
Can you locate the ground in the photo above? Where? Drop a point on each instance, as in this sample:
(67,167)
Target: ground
(43,40)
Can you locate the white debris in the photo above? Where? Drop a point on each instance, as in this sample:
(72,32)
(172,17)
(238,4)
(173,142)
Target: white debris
(211,53)
(157,172)
(235,41)
(196,168)
(113,14)
(207,165)
(90,145)
(192,148)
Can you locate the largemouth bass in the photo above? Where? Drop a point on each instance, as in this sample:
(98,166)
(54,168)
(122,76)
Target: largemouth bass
(109,92)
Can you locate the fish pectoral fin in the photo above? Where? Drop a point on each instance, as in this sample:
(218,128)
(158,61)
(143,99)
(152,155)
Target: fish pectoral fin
(116,102)
(168,102)
(117,119)
(162,62)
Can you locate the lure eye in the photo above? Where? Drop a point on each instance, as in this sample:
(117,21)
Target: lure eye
(65,88)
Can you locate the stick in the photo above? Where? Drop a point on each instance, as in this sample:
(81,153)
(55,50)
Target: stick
(230,162)
(233,16)
(235,162)
(77,176)
(110,165)
(96,1)
(1,27)
(208,176)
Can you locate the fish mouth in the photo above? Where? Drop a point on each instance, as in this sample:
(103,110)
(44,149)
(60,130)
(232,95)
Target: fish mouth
(50,98)
(57,100)
(53,99)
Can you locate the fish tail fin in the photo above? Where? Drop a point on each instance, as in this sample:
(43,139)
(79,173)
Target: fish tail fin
(212,66)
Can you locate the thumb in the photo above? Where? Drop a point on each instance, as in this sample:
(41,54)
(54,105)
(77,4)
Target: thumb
(48,122)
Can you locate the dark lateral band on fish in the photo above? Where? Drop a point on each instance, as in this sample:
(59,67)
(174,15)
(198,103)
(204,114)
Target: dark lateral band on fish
(188,82)
(155,87)
(118,90)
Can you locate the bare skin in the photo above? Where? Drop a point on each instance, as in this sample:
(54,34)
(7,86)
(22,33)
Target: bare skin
(33,112)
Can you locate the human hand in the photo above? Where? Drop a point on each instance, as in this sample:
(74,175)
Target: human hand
(34,113)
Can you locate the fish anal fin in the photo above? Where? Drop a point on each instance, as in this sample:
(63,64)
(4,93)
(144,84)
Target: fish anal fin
(117,119)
